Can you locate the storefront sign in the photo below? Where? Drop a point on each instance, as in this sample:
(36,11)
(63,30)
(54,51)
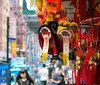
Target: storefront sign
(4,74)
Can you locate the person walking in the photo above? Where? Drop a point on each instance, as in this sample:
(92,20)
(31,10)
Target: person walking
(23,78)
(58,78)
(43,72)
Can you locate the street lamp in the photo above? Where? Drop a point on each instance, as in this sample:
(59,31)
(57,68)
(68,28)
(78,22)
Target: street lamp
(7,39)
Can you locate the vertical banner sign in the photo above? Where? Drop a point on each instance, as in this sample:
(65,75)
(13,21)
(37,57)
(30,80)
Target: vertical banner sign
(13,47)
(13,26)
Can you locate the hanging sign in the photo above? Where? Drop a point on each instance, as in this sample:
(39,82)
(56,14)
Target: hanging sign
(29,7)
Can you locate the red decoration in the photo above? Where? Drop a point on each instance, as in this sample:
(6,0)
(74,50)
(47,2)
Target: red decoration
(45,13)
(53,5)
(41,21)
(90,75)
(79,53)
(73,2)
(82,9)
(89,54)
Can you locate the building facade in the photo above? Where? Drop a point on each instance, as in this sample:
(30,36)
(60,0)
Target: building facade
(4,9)
(0,25)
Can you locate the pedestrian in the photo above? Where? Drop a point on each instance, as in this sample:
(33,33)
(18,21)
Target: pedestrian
(23,78)
(43,72)
(58,78)
(66,74)
(70,71)
(51,70)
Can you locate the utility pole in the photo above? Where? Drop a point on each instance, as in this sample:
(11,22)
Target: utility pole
(7,40)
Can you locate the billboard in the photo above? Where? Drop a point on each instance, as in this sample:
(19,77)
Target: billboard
(13,26)
(29,7)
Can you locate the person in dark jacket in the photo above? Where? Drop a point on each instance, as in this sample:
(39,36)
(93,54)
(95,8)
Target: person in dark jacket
(58,79)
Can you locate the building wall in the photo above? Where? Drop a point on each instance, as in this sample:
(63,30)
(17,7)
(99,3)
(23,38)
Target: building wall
(0,25)
(5,9)
(69,9)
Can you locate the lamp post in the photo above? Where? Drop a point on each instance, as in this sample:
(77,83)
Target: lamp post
(7,40)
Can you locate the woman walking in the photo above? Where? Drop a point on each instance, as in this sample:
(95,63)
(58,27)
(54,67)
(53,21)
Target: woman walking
(23,78)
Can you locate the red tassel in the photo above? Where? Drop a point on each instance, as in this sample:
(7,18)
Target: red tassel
(78,77)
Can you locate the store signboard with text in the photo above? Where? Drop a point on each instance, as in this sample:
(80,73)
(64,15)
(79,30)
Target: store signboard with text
(29,7)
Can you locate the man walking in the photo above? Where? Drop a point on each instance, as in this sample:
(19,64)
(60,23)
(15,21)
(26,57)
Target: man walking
(58,78)
(43,72)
